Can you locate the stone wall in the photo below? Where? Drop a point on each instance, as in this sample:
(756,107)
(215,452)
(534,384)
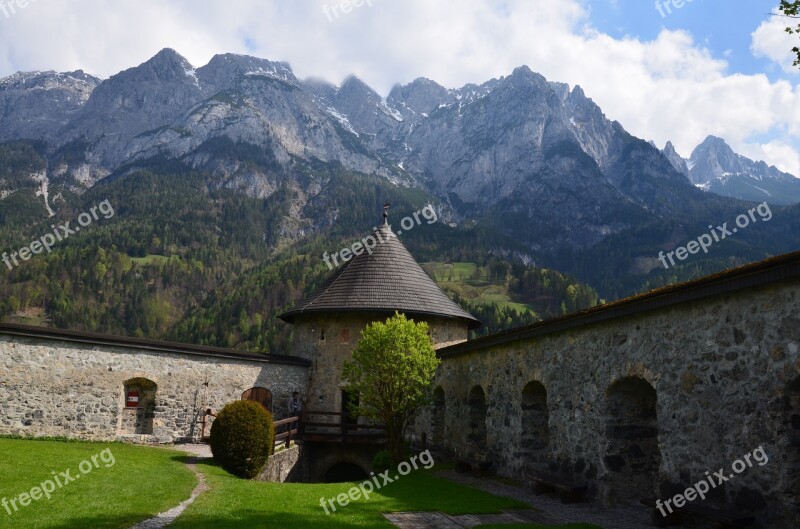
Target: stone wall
(63,387)
(651,401)
(288,465)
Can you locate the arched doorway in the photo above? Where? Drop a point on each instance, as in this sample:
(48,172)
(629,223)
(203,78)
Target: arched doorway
(477,438)
(261,395)
(535,417)
(632,456)
(139,406)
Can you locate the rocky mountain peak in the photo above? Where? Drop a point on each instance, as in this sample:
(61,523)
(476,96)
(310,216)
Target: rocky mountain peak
(167,65)
(675,159)
(421,96)
(352,86)
(578,93)
(225,70)
(714,166)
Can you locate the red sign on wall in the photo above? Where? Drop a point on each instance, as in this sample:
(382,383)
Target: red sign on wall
(132,399)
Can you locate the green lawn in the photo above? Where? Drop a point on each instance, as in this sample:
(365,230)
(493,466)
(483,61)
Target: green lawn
(139,484)
(236,503)
(131,483)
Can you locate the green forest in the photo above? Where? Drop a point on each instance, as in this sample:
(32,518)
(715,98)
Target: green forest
(183,259)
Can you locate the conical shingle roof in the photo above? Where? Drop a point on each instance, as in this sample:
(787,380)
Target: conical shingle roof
(387,280)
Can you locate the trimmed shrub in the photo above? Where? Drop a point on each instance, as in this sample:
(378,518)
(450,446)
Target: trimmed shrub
(242,438)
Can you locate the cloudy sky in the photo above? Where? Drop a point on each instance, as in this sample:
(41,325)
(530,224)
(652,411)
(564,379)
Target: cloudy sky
(719,67)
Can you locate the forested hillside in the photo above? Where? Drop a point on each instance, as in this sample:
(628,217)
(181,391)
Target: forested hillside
(183,260)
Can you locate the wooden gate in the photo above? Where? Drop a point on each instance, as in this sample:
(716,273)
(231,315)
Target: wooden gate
(261,395)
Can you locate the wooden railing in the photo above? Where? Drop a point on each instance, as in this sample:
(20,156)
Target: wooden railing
(340,428)
(286,430)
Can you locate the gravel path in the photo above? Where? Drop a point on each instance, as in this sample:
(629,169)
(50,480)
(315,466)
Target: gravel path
(163,519)
(618,517)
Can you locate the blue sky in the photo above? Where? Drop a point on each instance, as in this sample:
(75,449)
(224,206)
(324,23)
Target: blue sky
(720,67)
(723,26)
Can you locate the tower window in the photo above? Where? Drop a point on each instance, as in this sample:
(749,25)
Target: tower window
(344,335)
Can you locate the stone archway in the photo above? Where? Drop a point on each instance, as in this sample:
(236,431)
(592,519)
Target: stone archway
(345,471)
(535,441)
(632,457)
(477,438)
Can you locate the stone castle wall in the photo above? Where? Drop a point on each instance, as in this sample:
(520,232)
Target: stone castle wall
(52,387)
(649,402)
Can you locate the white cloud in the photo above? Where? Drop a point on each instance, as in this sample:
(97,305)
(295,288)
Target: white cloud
(668,88)
(782,155)
(770,40)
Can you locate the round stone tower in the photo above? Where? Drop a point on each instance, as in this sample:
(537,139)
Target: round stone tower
(380,279)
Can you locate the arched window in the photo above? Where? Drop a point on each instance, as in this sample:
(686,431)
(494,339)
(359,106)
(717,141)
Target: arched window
(139,406)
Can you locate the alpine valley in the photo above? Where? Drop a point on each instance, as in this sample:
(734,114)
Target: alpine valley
(231,180)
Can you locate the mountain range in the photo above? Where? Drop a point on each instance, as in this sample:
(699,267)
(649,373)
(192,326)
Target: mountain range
(714,167)
(259,168)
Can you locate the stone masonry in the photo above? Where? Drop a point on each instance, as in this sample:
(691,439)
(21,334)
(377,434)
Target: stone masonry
(55,387)
(649,401)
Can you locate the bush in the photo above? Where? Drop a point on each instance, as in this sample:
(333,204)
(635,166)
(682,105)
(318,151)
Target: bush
(382,461)
(242,438)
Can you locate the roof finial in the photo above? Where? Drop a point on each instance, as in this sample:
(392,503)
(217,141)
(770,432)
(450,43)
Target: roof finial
(386,213)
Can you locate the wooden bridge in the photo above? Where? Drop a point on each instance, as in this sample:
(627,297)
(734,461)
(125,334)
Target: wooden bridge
(327,427)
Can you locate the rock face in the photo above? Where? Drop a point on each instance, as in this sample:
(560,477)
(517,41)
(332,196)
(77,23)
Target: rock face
(50,387)
(519,152)
(640,405)
(38,104)
(675,159)
(715,167)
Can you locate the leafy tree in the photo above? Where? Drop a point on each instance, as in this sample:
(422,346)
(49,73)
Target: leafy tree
(792,10)
(392,373)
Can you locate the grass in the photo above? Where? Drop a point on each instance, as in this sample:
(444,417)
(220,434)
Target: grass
(139,482)
(461,279)
(241,504)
